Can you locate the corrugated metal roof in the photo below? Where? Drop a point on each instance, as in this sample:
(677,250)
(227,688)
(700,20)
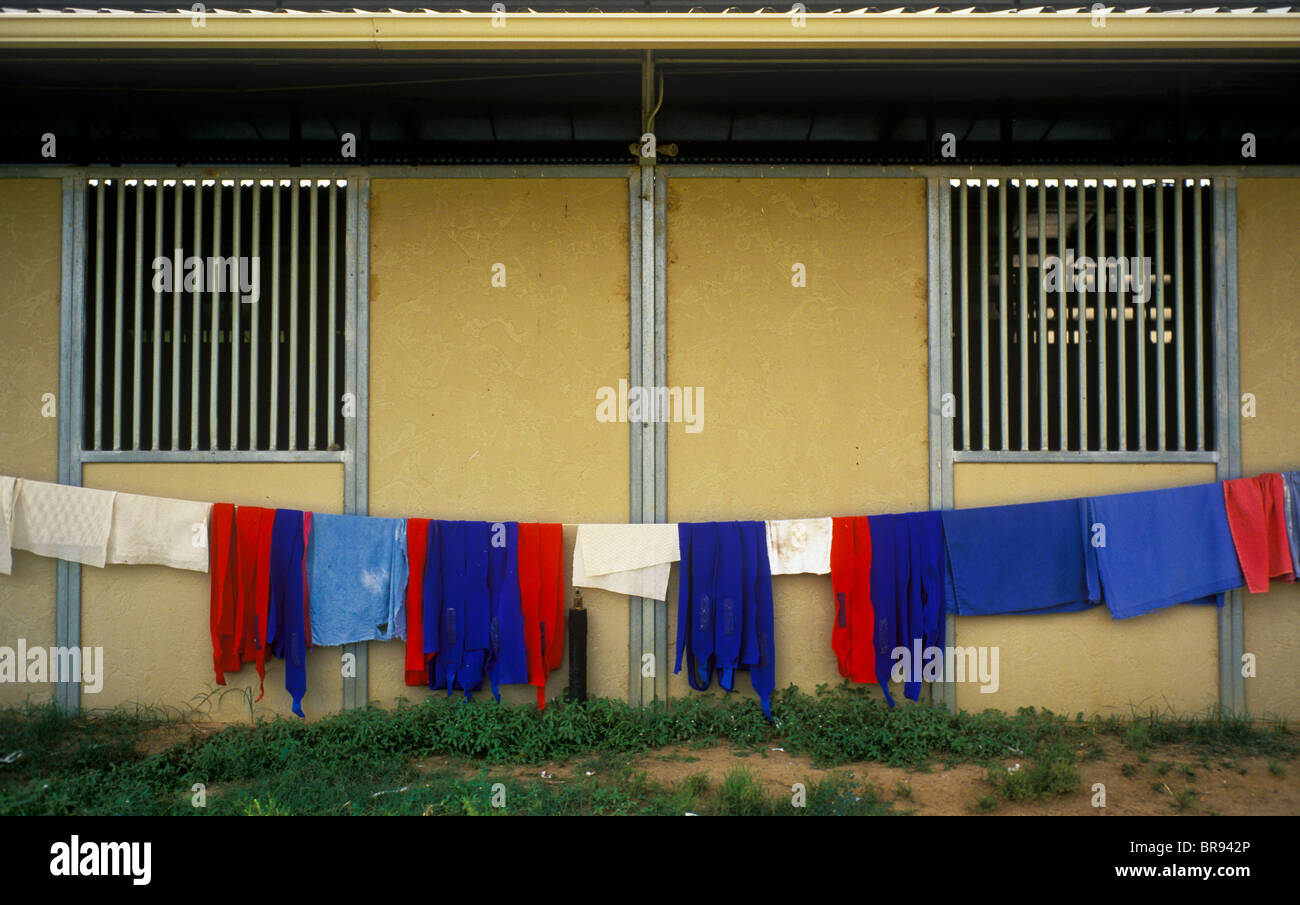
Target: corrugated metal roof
(1083,10)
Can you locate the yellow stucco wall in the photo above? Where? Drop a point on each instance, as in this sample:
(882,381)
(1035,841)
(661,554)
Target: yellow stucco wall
(153,621)
(815,397)
(30,248)
(483,398)
(1089,662)
(1268,274)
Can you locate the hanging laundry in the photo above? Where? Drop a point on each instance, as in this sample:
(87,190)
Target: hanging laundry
(306,585)
(62,521)
(1291,490)
(253,525)
(356,579)
(223,587)
(801,545)
(508,657)
(1256,509)
(853,629)
(635,560)
(725,619)
(459,629)
(1158,548)
(541,588)
(417,553)
(621,548)
(1026,558)
(907,594)
(286,609)
(8,490)
(150,530)
(650,582)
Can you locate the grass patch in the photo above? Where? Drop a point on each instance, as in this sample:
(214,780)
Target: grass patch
(360,761)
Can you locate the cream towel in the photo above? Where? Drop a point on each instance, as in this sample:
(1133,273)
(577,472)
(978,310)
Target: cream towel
(150,530)
(622,548)
(649,581)
(8,487)
(65,522)
(799,545)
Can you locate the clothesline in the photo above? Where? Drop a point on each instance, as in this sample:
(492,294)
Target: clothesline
(476,600)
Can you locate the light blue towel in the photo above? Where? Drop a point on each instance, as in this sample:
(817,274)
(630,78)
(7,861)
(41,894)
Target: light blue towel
(356,575)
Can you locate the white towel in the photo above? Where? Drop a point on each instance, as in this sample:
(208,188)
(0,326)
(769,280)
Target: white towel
(622,548)
(150,530)
(65,522)
(8,487)
(649,581)
(799,545)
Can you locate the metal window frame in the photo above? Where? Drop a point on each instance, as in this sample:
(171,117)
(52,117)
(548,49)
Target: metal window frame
(1170,453)
(354,456)
(1227,425)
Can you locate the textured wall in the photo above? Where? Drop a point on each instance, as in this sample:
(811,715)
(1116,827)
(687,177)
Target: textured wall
(1089,662)
(1268,274)
(815,397)
(483,398)
(30,247)
(153,621)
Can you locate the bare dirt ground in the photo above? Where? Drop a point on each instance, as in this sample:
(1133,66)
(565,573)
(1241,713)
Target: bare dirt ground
(1232,786)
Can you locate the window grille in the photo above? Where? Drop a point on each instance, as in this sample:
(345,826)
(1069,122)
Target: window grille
(215,314)
(1082,315)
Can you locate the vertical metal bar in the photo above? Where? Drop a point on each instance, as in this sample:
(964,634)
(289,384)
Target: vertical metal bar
(155,416)
(236,304)
(1197,259)
(293,314)
(330,387)
(137,346)
(1081,309)
(1143,297)
(214,336)
(99,315)
(275,315)
(71,408)
(255,318)
(984,313)
(644,606)
(1121,319)
(637,477)
(1003,389)
(1232,690)
(1062,325)
(176,314)
(119,267)
(313,232)
(1022,226)
(939,272)
(965,318)
(1160,315)
(660,607)
(354,502)
(196,317)
(1103,316)
(1043,442)
(356,429)
(1180,371)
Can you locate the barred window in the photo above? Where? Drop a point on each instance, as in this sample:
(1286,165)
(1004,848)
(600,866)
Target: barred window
(214,314)
(1082,315)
